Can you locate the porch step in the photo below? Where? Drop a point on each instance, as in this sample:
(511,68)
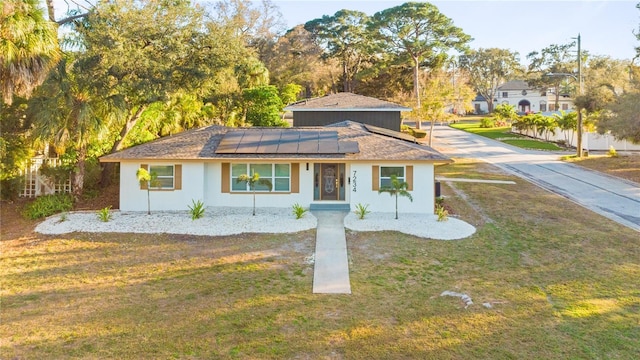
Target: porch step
(329,207)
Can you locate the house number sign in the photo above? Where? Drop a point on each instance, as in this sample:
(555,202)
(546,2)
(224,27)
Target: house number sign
(353,181)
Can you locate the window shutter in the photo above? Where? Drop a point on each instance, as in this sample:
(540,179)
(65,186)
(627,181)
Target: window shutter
(226,178)
(177,177)
(375,178)
(295,178)
(143,185)
(409,177)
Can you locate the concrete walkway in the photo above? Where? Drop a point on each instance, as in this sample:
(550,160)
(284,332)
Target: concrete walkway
(331,271)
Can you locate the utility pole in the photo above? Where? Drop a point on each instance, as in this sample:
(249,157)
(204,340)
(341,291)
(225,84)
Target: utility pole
(579,125)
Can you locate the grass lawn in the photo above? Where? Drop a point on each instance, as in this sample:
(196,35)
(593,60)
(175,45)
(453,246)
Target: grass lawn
(503,134)
(562,283)
(626,167)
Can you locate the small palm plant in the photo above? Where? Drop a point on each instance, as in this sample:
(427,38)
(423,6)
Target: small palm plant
(397,188)
(253,181)
(147,179)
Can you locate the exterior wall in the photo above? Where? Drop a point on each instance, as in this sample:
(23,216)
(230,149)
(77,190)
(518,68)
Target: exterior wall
(480,107)
(385,119)
(203,181)
(534,97)
(132,198)
(423,189)
(215,197)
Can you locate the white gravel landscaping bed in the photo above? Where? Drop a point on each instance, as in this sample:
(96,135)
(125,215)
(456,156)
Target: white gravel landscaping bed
(232,220)
(421,225)
(216,221)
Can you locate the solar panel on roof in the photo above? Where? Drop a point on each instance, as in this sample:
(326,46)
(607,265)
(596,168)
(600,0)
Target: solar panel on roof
(288,142)
(390,133)
(249,143)
(229,142)
(284,141)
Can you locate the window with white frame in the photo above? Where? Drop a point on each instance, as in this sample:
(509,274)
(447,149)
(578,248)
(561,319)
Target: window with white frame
(279,175)
(164,176)
(387,171)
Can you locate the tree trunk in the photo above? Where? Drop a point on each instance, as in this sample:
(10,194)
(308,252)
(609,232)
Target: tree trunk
(431,131)
(396,206)
(78,176)
(416,88)
(50,9)
(345,77)
(108,168)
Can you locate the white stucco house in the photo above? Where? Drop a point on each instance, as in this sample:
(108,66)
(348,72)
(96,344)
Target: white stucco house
(528,99)
(335,166)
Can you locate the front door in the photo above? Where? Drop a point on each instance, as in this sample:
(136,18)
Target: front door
(329,181)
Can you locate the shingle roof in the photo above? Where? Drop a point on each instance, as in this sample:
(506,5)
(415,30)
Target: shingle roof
(201,144)
(345,102)
(514,85)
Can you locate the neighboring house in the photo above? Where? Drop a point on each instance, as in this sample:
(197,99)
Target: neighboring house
(347,106)
(527,99)
(336,166)
(480,105)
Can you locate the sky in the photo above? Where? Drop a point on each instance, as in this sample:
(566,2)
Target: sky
(605,27)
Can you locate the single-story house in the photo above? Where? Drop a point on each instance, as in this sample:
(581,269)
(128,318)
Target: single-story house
(345,106)
(335,166)
(480,106)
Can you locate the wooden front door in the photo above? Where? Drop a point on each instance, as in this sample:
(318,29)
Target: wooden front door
(329,182)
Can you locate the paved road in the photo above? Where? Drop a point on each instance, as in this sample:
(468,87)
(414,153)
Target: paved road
(614,198)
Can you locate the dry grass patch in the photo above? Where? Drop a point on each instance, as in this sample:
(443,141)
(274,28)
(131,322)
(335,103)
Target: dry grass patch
(623,166)
(562,281)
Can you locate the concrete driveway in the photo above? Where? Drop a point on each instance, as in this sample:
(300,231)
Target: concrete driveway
(614,198)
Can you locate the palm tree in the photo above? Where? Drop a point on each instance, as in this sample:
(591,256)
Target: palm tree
(397,188)
(253,181)
(568,122)
(28,50)
(147,179)
(69,112)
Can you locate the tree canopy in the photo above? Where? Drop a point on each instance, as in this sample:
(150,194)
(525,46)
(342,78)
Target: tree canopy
(28,50)
(418,32)
(488,69)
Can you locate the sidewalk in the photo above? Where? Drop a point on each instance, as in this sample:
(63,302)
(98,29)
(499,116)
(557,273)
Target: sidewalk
(331,271)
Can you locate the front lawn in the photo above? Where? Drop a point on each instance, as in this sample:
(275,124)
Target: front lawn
(548,279)
(504,134)
(623,166)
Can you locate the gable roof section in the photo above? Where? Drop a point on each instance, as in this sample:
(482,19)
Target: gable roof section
(514,85)
(345,102)
(204,144)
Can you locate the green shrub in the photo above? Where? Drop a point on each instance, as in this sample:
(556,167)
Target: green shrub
(612,152)
(104,214)
(487,122)
(48,205)
(361,210)
(197,210)
(443,214)
(299,211)
(419,134)
(11,187)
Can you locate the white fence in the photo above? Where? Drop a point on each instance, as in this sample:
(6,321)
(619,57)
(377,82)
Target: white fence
(590,140)
(36,185)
